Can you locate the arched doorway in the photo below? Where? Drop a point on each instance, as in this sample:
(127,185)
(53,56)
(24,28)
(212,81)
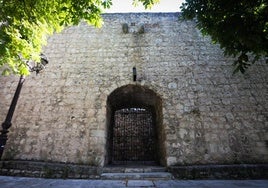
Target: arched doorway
(134,121)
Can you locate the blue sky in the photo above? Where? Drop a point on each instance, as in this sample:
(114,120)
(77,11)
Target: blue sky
(163,6)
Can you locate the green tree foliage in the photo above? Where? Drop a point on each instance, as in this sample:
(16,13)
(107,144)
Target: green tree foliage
(146,3)
(239,26)
(26,24)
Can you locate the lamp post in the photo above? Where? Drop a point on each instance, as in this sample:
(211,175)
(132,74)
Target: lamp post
(7,123)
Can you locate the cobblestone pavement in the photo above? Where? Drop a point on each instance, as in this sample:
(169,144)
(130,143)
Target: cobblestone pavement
(22,182)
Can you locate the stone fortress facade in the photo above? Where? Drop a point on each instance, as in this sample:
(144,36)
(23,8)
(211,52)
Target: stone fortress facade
(147,65)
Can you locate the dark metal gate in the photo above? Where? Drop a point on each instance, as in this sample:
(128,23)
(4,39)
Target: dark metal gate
(133,136)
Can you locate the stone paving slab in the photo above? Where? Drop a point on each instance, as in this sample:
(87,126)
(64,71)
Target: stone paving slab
(137,176)
(22,182)
(140,183)
(212,183)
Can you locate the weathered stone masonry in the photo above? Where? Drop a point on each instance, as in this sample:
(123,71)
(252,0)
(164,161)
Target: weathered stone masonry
(204,114)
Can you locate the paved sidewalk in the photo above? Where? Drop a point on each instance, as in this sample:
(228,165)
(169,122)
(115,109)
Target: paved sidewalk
(22,182)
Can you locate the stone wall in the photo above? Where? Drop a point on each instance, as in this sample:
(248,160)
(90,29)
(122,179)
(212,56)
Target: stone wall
(209,116)
(74,171)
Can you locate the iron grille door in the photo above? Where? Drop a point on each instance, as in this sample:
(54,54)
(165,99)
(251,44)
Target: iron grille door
(133,136)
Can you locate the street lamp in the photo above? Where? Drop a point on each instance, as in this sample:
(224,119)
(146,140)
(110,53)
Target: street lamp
(33,67)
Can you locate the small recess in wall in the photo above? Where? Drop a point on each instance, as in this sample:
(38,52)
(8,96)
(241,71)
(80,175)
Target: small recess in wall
(125,28)
(134,74)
